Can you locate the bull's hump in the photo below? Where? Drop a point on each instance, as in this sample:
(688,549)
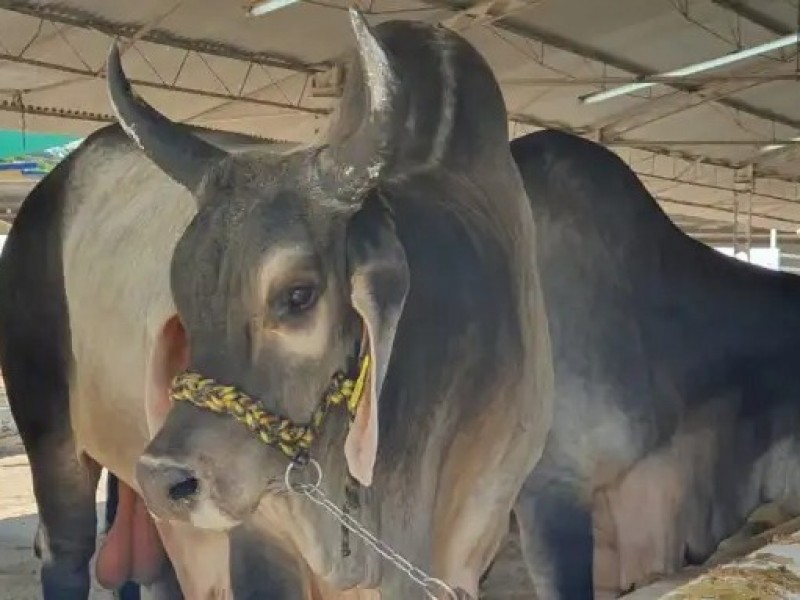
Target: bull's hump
(455,108)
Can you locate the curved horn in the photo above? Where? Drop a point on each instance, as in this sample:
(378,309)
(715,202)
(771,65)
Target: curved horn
(360,144)
(377,70)
(180,154)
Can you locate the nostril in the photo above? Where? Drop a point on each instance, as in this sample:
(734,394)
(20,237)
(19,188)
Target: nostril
(170,488)
(185,487)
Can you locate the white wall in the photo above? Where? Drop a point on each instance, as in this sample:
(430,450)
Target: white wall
(765,257)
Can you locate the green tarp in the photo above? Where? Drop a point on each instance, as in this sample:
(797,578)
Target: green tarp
(13,144)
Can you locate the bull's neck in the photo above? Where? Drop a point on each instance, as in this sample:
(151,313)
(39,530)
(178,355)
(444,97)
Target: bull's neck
(453,397)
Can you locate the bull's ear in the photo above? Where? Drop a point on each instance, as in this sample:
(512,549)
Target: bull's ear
(379,281)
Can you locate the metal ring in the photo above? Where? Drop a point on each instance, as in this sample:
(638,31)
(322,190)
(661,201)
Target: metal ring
(300,488)
(433,583)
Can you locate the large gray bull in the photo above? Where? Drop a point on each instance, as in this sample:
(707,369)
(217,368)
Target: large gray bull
(675,412)
(676,409)
(402,248)
(674,379)
(675,388)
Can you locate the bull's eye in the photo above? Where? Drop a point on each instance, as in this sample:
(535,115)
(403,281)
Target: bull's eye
(300,298)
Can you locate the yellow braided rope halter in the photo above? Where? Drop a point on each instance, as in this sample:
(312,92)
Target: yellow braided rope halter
(274,430)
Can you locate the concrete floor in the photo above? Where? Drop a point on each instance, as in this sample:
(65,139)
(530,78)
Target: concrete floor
(19,568)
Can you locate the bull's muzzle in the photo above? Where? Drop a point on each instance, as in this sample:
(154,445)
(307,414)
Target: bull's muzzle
(178,492)
(169,488)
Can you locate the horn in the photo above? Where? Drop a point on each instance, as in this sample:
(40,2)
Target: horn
(375,63)
(360,145)
(180,154)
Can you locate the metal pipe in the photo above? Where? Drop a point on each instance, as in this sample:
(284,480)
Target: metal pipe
(706,65)
(687,80)
(640,142)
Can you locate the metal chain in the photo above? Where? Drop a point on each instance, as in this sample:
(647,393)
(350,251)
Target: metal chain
(313,492)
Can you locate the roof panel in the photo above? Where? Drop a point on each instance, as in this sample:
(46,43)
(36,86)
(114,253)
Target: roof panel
(781,97)
(210,63)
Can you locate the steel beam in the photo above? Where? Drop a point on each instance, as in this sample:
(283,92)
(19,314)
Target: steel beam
(677,102)
(78,18)
(724,237)
(530,121)
(554,40)
(615,81)
(86,73)
(697,190)
(485,12)
(689,142)
(746,11)
(61,113)
(691,209)
(743,183)
(665,106)
(584,51)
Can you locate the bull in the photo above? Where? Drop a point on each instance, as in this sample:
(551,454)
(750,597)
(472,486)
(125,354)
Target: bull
(369,306)
(674,415)
(675,382)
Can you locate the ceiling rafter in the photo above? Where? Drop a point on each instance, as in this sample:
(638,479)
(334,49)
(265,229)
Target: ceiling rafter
(671,104)
(137,35)
(526,30)
(688,176)
(755,16)
(148,31)
(667,151)
(143,32)
(556,41)
(89,74)
(692,209)
(763,20)
(658,149)
(693,142)
(151,24)
(61,113)
(85,20)
(623,64)
(612,80)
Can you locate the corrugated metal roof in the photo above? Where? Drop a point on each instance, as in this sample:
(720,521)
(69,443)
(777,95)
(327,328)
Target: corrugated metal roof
(209,63)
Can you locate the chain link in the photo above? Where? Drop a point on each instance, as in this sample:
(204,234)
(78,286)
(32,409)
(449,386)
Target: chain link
(313,492)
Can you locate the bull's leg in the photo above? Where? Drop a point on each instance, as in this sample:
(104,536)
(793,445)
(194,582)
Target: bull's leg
(64,485)
(556,536)
(34,355)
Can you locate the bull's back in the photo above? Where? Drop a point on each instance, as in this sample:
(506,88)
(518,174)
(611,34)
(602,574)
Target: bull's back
(122,219)
(646,321)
